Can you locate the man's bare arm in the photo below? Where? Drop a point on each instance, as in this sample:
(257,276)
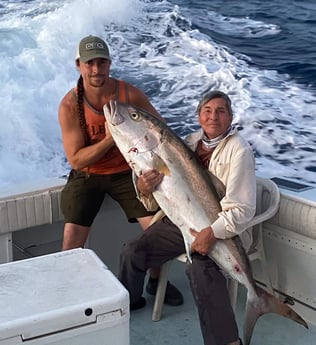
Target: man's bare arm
(77,154)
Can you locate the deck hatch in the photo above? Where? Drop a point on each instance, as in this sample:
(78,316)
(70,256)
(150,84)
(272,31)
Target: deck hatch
(291,185)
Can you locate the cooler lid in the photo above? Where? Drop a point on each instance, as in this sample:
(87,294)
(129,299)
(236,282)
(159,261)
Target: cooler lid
(58,291)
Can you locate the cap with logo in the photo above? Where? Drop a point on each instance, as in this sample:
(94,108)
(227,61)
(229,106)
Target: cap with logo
(92,47)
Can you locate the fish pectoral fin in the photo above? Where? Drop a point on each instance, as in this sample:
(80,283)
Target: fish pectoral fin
(188,250)
(220,189)
(159,164)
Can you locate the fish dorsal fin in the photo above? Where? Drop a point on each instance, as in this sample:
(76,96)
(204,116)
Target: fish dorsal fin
(218,185)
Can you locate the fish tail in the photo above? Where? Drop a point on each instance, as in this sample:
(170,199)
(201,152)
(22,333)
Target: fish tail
(266,303)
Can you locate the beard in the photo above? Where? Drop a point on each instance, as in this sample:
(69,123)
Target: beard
(96,81)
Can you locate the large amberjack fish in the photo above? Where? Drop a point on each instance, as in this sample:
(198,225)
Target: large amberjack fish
(188,197)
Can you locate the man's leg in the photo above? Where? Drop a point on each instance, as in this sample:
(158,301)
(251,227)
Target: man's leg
(209,289)
(172,296)
(123,191)
(81,200)
(160,243)
(75,236)
(144,223)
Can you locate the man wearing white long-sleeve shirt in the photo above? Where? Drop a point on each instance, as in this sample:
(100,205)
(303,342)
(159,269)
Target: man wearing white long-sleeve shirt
(230,160)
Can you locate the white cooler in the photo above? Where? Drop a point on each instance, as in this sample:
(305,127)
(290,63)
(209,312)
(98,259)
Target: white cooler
(65,298)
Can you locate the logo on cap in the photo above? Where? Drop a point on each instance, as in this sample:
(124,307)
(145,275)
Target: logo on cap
(94,45)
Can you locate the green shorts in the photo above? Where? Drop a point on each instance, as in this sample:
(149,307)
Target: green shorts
(83,194)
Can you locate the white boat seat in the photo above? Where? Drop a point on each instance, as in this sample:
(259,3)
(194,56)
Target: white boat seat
(267,205)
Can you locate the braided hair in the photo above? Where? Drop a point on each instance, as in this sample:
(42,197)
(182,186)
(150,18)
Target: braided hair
(80,110)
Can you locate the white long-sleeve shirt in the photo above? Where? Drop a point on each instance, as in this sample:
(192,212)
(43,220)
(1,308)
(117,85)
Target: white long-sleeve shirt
(233,163)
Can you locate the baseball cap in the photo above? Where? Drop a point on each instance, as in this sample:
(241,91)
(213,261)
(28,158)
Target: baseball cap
(92,47)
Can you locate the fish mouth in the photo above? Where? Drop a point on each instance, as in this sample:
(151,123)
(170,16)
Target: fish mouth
(113,115)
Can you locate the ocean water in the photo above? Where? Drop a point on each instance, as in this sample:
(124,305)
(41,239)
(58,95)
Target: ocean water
(263,54)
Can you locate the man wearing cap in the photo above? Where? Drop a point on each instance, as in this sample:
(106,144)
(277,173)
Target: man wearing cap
(98,168)
(230,159)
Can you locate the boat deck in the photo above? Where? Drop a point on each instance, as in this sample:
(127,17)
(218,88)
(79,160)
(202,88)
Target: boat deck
(179,325)
(32,234)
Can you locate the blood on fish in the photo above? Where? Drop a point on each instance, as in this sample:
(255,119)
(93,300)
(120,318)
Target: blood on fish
(131,164)
(236,269)
(133,149)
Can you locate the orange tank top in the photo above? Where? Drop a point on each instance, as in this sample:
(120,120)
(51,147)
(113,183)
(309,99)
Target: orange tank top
(113,161)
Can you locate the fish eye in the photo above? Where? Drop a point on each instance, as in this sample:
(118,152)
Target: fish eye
(135,116)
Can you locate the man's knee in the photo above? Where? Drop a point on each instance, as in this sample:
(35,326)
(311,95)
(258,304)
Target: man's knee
(127,251)
(133,255)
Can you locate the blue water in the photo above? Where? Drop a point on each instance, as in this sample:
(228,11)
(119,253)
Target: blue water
(263,54)
(273,35)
